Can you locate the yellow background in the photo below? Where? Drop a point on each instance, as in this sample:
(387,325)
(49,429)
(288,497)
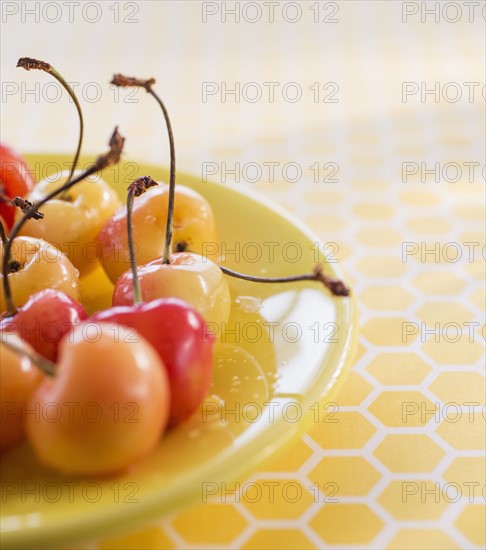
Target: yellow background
(411,415)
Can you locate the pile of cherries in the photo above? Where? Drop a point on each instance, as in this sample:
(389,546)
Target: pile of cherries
(93,394)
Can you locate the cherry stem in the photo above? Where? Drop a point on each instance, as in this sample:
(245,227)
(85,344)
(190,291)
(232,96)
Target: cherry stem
(12,262)
(137,188)
(103,161)
(24,205)
(337,287)
(3,235)
(120,80)
(29,63)
(46,366)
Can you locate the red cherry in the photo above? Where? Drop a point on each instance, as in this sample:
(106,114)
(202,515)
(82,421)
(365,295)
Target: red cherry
(15,181)
(44,319)
(178,334)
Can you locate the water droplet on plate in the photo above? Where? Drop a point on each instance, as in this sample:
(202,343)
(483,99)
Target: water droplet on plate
(248,304)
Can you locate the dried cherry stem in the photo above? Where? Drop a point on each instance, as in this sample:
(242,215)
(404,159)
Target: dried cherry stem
(46,366)
(337,287)
(103,161)
(29,63)
(137,188)
(120,80)
(24,205)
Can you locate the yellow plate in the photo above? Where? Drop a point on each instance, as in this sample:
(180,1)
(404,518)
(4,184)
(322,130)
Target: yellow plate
(284,350)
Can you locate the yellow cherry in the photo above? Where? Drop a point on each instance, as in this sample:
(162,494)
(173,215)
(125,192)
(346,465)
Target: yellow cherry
(73,220)
(194,226)
(40,265)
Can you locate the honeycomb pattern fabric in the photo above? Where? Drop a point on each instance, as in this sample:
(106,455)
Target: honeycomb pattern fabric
(373,117)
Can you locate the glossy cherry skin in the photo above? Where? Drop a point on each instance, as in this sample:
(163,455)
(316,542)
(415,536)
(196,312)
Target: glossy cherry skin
(178,334)
(15,180)
(44,319)
(41,266)
(105,408)
(190,277)
(19,377)
(194,226)
(72,224)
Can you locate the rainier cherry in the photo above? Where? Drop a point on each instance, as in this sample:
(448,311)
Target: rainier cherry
(71,220)
(178,334)
(188,276)
(19,377)
(35,265)
(111,398)
(193,226)
(176,331)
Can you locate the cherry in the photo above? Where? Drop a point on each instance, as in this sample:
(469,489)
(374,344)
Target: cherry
(188,276)
(15,180)
(176,331)
(18,379)
(106,406)
(44,319)
(73,221)
(194,225)
(178,334)
(34,265)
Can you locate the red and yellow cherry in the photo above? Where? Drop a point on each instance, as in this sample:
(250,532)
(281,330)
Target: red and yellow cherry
(40,265)
(73,220)
(19,377)
(44,319)
(105,408)
(178,334)
(194,226)
(15,181)
(190,277)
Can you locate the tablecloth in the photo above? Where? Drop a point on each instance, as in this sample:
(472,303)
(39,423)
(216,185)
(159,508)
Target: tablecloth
(367,121)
